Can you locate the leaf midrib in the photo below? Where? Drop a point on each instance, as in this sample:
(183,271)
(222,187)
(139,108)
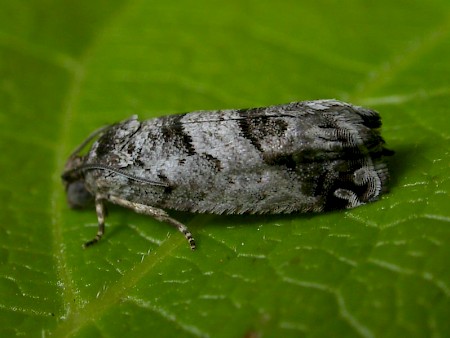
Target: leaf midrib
(97,307)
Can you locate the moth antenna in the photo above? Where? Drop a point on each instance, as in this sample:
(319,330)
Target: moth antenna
(95,134)
(120,172)
(89,139)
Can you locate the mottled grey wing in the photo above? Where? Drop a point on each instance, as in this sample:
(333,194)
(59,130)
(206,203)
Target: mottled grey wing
(306,156)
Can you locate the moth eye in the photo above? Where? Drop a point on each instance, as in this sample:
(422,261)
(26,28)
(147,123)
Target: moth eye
(77,195)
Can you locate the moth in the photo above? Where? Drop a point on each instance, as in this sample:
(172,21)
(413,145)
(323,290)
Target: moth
(309,156)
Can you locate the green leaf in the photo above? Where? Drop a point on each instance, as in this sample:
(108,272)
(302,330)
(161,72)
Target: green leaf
(69,67)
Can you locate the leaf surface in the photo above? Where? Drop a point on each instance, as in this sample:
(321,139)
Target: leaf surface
(67,68)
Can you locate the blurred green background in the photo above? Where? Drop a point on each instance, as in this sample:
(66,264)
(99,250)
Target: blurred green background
(68,67)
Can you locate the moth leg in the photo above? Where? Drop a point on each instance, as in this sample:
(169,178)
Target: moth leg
(350,196)
(368,176)
(101,213)
(156,213)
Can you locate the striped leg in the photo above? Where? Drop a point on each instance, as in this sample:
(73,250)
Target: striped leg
(156,213)
(101,213)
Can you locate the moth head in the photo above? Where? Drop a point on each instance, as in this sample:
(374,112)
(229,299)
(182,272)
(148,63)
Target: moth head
(78,197)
